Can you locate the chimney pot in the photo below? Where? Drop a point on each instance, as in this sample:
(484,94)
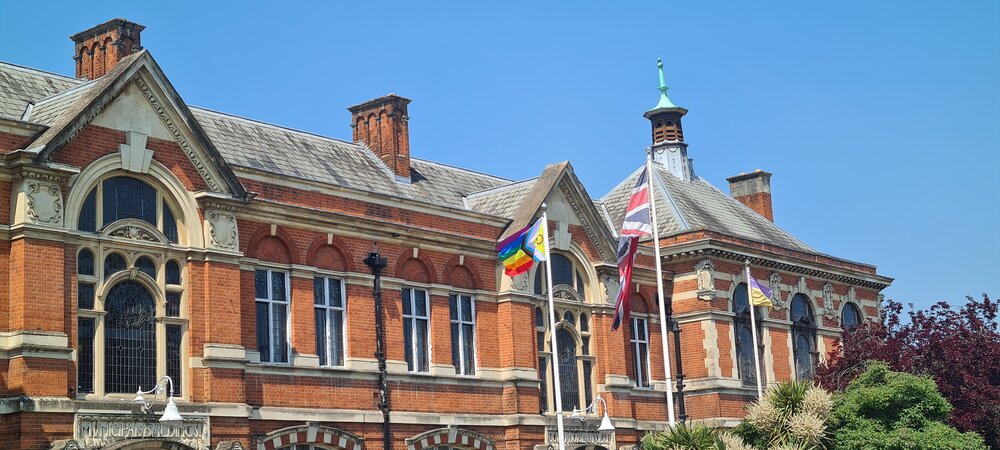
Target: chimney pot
(753,190)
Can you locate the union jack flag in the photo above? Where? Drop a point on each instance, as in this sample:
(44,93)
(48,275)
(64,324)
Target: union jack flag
(636,225)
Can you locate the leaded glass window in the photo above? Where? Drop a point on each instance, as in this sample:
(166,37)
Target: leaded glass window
(271,291)
(568,377)
(744,336)
(803,337)
(146,266)
(329,316)
(113,263)
(127,198)
(174,337)
(85,355)
(639,338)
(563,272)
(129,338)
(416,327)
(462,312)
(85,286)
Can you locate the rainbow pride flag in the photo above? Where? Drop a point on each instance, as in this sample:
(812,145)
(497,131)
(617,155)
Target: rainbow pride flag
(520,250)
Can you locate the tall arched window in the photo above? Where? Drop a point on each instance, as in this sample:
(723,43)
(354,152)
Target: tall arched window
(130,293)
(803,336)
(576,364)
(850,318)
(744,336)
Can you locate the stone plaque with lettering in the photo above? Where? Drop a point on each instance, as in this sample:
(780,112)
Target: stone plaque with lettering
(98,430)
(579,437)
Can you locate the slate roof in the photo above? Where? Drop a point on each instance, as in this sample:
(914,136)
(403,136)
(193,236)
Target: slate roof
(21,85)
(682,206)
(501,201)
(275,149)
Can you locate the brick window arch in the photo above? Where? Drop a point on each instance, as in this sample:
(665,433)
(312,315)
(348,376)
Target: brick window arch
(451,436)
(311,435)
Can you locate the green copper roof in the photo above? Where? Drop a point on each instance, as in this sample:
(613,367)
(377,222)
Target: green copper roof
(664,102)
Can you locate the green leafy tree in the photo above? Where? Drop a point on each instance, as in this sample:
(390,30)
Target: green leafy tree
(895,410)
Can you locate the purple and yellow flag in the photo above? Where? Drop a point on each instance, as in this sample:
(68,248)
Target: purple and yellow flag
(759,295)
(520,250)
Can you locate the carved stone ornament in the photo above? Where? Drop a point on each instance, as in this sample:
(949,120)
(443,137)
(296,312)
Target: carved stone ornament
(879,306)
(229,445)
(44,201)
(828,309)
(565,292)
(520,282)
(774,282)
(64,444)
(611,288)
(705,271)
(135,156)
(135,229)
(222,231)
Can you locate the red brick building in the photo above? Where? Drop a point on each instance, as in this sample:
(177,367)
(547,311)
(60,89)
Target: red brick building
(144,237)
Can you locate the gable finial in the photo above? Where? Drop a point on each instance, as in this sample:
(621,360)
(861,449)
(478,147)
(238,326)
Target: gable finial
(664,101)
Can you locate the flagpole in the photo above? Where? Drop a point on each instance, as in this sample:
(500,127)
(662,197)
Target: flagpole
(659,290)
(552,329)
(753,331)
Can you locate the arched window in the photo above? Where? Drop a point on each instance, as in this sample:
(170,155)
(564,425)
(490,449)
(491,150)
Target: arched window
(130,328)
(850,318)
(744,336)
(564,272)
(118,198)
(569,379)
(803,336)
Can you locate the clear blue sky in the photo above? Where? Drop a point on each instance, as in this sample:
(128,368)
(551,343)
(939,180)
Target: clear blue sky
(879,120)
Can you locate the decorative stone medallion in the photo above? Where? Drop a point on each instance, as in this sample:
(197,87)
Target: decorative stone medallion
(44,201)
(222,230)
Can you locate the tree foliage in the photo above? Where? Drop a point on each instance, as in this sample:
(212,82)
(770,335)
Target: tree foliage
(959,349)
(894,410)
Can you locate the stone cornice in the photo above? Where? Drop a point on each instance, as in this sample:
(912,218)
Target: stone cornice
(722,250)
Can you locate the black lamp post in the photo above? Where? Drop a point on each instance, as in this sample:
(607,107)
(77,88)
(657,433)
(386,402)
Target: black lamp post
(675,328)
(376,262)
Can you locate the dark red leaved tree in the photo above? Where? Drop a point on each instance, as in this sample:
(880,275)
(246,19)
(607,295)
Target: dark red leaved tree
(959,349)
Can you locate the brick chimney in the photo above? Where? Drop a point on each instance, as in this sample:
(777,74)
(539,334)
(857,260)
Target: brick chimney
(98,49)
(753,190)
(382,125)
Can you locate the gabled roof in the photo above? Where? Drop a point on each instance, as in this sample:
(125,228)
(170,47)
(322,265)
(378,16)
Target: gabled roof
(66,113)
(683,206)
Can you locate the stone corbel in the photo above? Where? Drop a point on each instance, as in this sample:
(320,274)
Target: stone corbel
(705,271)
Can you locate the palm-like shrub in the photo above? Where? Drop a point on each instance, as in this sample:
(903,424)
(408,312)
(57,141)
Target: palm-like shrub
(684,437)
(792,414)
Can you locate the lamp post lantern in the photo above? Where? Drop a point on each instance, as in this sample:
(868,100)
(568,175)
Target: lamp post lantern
(171,416)
(376,262)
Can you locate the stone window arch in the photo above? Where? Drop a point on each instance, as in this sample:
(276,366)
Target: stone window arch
(450,437)
(311,436)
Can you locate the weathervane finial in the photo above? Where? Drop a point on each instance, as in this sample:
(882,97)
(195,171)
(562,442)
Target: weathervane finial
(664,101)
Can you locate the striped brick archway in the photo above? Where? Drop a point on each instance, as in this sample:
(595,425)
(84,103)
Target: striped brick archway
(449,436)
(311,434)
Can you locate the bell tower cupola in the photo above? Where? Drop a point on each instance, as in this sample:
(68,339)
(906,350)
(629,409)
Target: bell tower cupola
(668,147)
